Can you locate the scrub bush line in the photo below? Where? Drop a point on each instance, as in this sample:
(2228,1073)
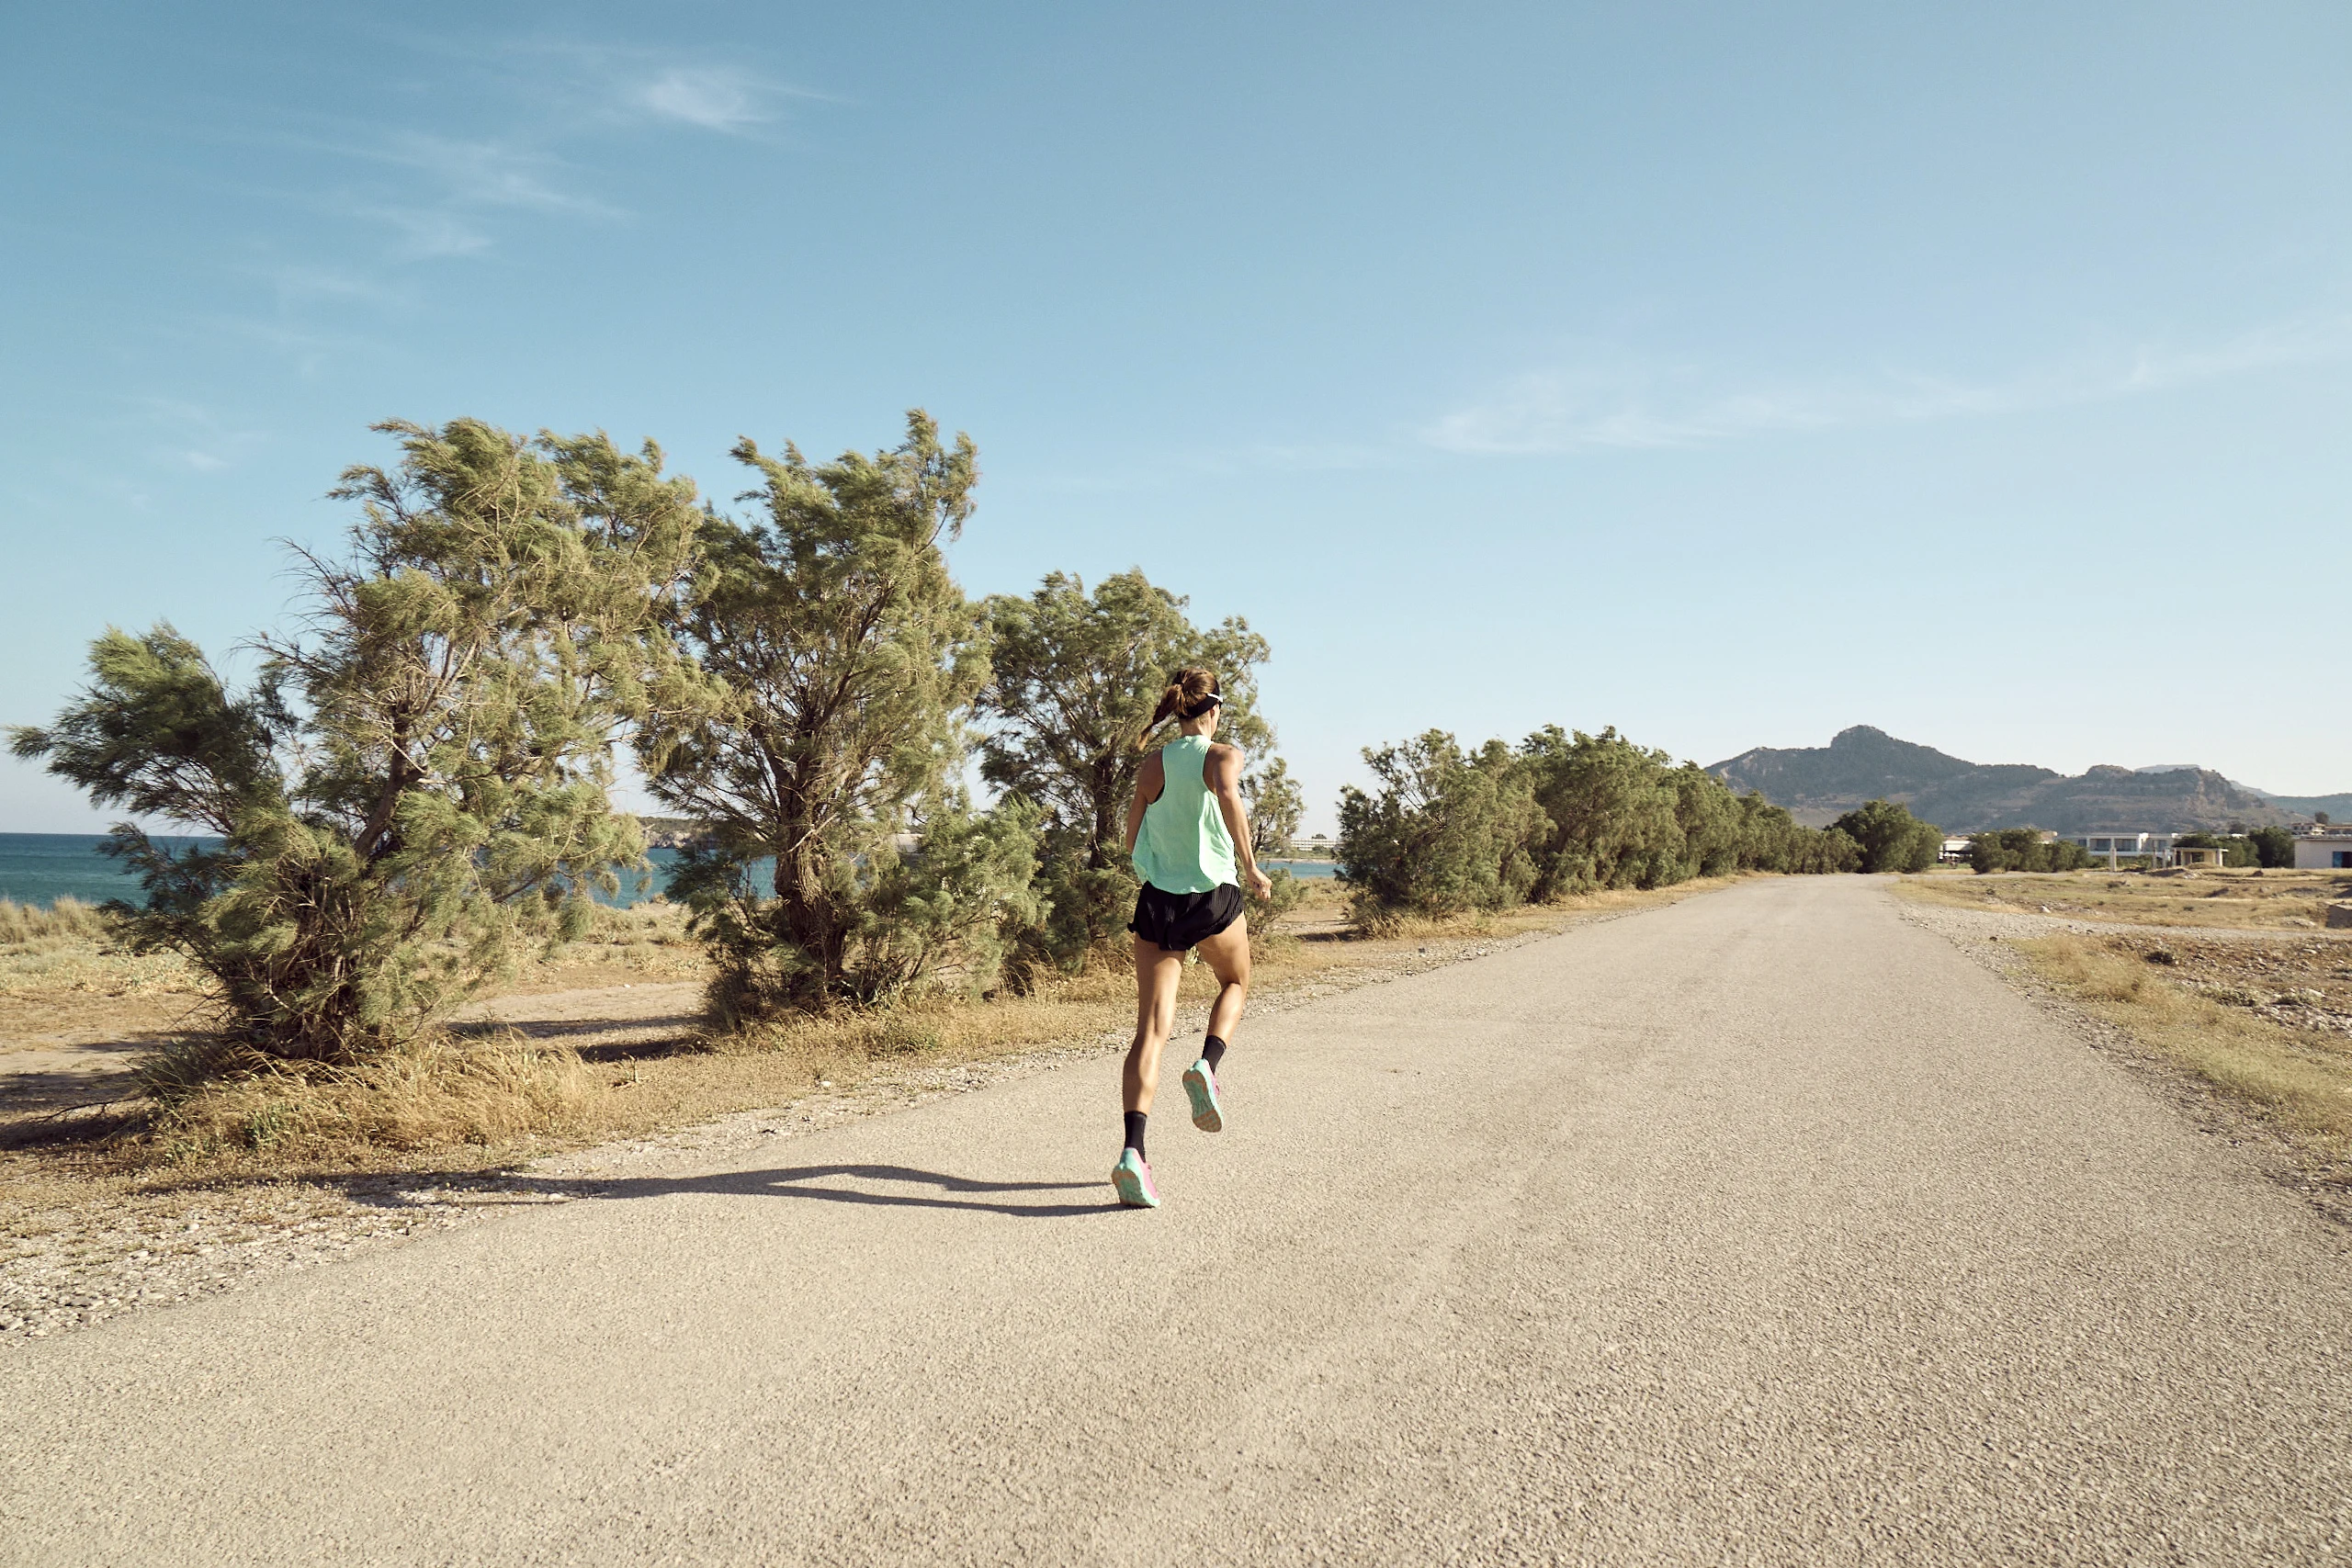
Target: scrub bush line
(1446,831)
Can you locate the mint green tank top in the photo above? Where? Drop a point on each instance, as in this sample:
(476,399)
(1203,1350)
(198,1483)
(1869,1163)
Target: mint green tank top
(1183,847)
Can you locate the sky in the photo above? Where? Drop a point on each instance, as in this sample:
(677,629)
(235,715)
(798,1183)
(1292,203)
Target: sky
(1727,374)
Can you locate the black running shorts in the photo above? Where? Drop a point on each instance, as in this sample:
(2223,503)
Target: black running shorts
(1179,922)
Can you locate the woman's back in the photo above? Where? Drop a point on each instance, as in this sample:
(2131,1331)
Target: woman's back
(1185,847)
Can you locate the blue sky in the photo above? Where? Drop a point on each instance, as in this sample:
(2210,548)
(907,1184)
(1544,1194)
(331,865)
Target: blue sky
(1729,374)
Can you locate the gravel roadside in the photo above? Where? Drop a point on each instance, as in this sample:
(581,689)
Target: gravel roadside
(1991,937)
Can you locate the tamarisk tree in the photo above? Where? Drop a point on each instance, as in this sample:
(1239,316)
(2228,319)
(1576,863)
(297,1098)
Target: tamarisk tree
(413,789)
(1075,679)
(848,659)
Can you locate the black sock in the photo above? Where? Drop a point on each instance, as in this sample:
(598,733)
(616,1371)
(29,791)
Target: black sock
(1213,1052)
(1135,1132)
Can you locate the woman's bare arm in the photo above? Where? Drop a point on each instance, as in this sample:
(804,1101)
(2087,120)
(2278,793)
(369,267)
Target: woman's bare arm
(1224,773)
(1150,779)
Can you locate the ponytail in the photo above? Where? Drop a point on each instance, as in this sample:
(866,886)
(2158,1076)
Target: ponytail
(1192,694)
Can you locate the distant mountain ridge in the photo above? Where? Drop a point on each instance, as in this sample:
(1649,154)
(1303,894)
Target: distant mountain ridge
(1863,763)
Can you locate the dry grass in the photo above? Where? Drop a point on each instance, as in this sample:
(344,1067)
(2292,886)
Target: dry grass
(26,924)
(2241,900)
(2296,1077)
(436,1093)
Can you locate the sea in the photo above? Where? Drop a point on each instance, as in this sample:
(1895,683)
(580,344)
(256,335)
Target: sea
(41,868)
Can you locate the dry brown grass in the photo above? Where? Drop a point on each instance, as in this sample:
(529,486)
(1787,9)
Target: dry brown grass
(2241,900)
(2296,1079)
(435,1093)
(26,924)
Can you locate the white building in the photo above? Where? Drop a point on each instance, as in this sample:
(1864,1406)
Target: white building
(2323,849)
(2114,847)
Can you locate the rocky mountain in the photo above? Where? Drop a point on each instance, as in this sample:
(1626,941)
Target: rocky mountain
(1817,783)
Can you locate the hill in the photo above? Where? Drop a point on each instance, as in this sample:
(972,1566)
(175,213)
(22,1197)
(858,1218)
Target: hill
(1862,763)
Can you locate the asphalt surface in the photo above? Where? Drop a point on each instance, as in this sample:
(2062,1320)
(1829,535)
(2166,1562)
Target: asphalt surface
(1765,1227)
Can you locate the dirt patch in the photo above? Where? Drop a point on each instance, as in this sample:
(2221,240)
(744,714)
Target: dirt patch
(2224,900)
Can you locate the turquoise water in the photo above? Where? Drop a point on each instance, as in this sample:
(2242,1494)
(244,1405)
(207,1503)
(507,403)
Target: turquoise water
(41,868)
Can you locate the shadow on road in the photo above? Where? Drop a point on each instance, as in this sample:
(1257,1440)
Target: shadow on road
(800,1182)
(808,1181)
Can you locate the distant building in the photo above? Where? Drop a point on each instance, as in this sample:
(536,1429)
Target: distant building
(2114,847)
(2323,849)
(1954,852)
(2188,856)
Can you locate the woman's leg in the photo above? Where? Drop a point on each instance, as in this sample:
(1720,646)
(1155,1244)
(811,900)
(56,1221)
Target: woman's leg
(1157,976)
(1227,956)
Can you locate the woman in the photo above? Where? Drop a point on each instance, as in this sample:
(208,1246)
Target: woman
(1188,835)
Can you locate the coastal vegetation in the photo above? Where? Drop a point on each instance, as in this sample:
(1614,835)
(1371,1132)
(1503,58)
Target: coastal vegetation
(408,807)
(2023,849)
(411,798)
(1074,678)
(414,790)
(842,662)
(1889,838)
(1446,831)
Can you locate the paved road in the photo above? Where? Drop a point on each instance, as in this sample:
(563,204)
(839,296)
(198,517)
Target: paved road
(1761,1228)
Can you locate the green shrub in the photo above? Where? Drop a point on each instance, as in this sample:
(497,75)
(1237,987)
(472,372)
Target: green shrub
(414,791)
(1444,834)
(1890,838)
(2024,848)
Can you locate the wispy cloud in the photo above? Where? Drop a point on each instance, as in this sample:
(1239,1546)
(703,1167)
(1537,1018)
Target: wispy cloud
(453,186)
(298,284)
(493,173)
(1588,407)
(195,437)
(524,135)
(722,99)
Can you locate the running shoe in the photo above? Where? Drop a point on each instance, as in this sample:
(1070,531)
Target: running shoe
(1133,1179)
(1200,1082)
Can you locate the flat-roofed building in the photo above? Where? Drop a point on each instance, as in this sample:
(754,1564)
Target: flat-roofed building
(2114,847)
(2323,849)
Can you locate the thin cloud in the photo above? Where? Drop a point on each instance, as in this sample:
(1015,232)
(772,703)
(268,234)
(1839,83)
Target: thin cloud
(195,436)
(1575,410)
(492,174)
(297,286)
(716,101)
(426,233)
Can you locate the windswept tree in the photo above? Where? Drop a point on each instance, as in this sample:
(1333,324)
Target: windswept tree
(1443,833)
(847,661)
(1770,840)
(2024,848)
(1615,812)
(1891,839)
(1075,679)
(1563,814)
(414,788)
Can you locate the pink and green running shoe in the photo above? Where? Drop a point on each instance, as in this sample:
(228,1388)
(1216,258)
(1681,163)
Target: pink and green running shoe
(1132,1180)
(1200,1082)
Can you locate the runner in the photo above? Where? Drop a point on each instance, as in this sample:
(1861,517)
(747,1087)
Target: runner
(1186,831)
